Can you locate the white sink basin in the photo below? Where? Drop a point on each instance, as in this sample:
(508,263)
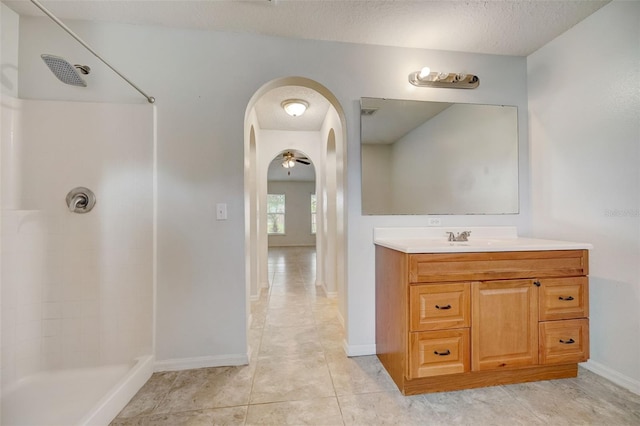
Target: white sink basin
(433,240)
(480,242)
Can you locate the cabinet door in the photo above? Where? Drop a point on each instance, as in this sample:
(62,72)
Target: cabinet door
(504,324)
(436,353)
(439,306)
(564,298)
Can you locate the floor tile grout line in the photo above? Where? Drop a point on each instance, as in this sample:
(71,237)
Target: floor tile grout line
(166,395)
(299,278)
(253,375)
(513,398)
(609,409)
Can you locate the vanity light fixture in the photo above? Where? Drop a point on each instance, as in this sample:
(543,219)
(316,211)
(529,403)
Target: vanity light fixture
(295,107)
(427,78)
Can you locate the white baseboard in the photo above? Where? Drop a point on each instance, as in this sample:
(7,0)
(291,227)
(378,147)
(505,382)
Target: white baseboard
(341,319)
(292,245)
(615,376)
(256,297)
(201,362)
(329,294)
(358,350)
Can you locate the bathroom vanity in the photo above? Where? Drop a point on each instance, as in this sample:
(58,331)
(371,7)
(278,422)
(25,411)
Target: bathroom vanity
(493,310)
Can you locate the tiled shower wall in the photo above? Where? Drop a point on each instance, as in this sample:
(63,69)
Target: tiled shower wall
(77,289)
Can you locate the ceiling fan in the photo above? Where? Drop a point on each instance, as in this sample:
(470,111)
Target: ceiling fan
(289,160)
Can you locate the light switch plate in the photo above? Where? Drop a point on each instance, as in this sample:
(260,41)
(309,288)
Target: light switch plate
(221,211)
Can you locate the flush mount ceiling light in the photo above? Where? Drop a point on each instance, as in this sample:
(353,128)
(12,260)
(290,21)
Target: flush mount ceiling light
(295,107)
(427,78)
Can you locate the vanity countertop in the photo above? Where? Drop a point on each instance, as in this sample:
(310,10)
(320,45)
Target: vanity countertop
(482,239)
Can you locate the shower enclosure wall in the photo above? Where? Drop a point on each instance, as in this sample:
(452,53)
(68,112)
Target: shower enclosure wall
(77,294)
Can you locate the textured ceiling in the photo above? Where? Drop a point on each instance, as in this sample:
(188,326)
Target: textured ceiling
(503,27)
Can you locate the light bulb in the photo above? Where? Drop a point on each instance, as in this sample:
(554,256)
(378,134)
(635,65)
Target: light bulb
(288,162)
(424,72)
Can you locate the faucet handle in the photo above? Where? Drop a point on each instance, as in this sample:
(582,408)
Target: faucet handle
(451,236)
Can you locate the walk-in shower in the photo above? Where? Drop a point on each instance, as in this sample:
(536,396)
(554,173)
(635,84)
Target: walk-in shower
(77,289)
(77,294)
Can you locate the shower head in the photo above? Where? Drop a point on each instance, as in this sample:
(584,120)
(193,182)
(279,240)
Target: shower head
(66,72)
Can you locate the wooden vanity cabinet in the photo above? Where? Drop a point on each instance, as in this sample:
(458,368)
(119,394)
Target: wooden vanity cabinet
(449,321)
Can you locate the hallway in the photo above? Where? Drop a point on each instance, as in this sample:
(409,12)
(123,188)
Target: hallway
(299,374)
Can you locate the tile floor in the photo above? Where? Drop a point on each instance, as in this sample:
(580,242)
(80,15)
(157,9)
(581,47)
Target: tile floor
(299,374)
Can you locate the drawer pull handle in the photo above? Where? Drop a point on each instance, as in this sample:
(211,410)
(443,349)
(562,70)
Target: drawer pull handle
(565,298)
(447,352)
(536,283)
(567,342)
(443,307)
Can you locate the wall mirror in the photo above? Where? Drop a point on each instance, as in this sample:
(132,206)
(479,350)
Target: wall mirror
(438,158)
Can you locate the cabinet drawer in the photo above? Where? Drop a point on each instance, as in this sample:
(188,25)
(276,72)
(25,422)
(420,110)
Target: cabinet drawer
(436,353)
(447,267)
(564,298)
(563,342)
(439,306)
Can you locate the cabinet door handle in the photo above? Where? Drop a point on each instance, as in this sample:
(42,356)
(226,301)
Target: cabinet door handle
(536,283)
(565,298)
(445,353)
(443,307)
(567,342)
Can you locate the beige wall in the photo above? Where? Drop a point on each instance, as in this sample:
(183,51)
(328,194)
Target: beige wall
(201,291)
(585,151)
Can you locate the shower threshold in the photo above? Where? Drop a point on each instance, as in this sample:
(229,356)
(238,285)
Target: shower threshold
(62,397)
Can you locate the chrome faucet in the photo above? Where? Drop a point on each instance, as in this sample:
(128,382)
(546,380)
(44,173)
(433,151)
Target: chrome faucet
(462,236)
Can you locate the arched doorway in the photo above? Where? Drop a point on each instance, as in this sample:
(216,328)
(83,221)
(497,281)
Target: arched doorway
(291,188)
(325,145)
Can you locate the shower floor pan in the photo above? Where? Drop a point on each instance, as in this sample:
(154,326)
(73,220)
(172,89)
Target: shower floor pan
(88,396)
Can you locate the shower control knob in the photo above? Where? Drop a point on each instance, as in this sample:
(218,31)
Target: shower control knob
(80,200)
